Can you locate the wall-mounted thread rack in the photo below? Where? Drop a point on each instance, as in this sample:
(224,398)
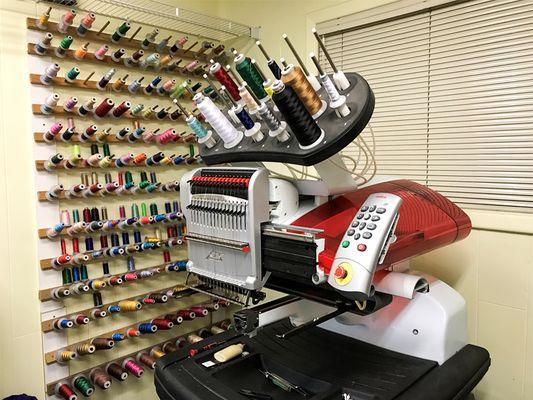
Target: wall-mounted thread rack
(95,36)
(51,386)
(46,263)
(35,79)
(46,294)
(48,325)
(51,356)
(38,137)
(90,57)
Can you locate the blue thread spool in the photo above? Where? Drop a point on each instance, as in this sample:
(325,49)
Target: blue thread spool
(113,309)
(125,238)
(117,337)
(89,246)
(83,271)
(75,274)
(147,328)
(137,237)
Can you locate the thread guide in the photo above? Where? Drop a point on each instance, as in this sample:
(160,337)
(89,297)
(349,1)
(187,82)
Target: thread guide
(360,100)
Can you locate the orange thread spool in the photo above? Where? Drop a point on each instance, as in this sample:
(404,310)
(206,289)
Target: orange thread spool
(293,76)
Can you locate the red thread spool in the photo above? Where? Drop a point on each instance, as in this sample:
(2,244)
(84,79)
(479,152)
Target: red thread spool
(163,324)
(75,245)
(104,107)
(62,259)
(132,367)
(146,220)
(187,315)
(200,311)
(115,281)
(146,359)
(116,371)
(148,301)
(211,306)
(63,246)
(222,76)
(95,188)
(159,297)
(64,391)
(103,242)
(129,277)
(174,318)
(103,343)
(121,109)
(82,320)
(91,130)
(166,256)
(133,333)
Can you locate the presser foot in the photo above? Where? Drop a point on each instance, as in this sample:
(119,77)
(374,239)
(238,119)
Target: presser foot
(226,291)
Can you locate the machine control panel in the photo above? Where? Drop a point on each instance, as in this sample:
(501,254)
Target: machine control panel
(364,245)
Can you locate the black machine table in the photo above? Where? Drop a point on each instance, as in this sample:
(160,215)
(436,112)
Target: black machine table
(325,364)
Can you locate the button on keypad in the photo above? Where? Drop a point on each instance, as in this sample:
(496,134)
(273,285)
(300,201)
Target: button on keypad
(375,218)
(362,226)
(381,210)
(357,236)
(371,226)
(364,208)
(355,224)
(372,208)
(350,232)
(367,235)
(367,217)
(360,216)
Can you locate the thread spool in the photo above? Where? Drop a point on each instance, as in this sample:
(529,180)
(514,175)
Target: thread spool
(134,58)
(81,319)
(52,132)
(151,61)
(101,52)
(215,330)
(121,109)
(85,349)
(63,356)
(302,124)
(149,38)
(169,347)
(64,391)
(42,22)
(44,44)
(222,76)
(103,343)
(62,323)
(87,107)
(152,85)
(294,77)
(146,359)
(229,134)
(69,105)
(249,73)
(85,24)
(229,353)
(193,338)
(119,83)
(66,21)
(132,367)
(102,83)
(100,378)
(49,103)
(163,324)
(49,74)
(147,328)
(117,55)
(116,371)
(104,107)
(64,45)
(276,128)
(129,305)
(120,32)
(83,385)
(81,51)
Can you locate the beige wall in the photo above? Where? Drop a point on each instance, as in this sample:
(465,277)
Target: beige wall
(493,270)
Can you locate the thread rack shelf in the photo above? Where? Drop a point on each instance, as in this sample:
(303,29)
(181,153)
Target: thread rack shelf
(60,111)
(91,58)
(48,325)
(51,356)
(38,137)
(94,36)
(35,79)
(39,165)
(45,294)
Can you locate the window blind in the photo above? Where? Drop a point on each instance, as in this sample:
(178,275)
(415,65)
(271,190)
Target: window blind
(454,98)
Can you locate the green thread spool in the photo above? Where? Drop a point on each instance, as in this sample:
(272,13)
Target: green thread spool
(135,210)
(178,90)
(151,188)
(67,276)
(83,272)
(144,185)
(73,73)
(191,150)
(66,42)
(107,151)
(137,109)
(144,212)
(84,386)
(248,72)
(122,29)
(128,177)
(76,151)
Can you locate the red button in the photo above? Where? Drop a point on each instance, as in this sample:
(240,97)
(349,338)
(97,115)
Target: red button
(361,247)
(340,273)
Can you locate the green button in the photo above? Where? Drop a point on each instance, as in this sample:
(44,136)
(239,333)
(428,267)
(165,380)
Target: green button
(345,244)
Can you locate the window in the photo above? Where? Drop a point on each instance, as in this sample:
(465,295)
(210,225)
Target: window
(454,98)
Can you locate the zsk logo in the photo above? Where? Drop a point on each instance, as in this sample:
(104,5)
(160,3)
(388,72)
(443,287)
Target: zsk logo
(215,256)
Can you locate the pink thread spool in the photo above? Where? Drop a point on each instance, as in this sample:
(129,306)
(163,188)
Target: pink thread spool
(121,109)
(66,21)
(149,136)
(104,107)
(86,24)
(132,367)
(183,40)
(93,160)
(70,104)
(50,135)
(101,52)
(166,136)
(192,65)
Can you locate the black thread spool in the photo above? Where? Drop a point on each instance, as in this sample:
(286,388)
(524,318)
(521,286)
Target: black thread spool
(302,124)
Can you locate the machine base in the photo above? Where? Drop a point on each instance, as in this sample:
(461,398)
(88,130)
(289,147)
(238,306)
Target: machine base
(325,364)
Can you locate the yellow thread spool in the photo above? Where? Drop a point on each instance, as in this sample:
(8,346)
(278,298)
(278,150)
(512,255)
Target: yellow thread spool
(129,305)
